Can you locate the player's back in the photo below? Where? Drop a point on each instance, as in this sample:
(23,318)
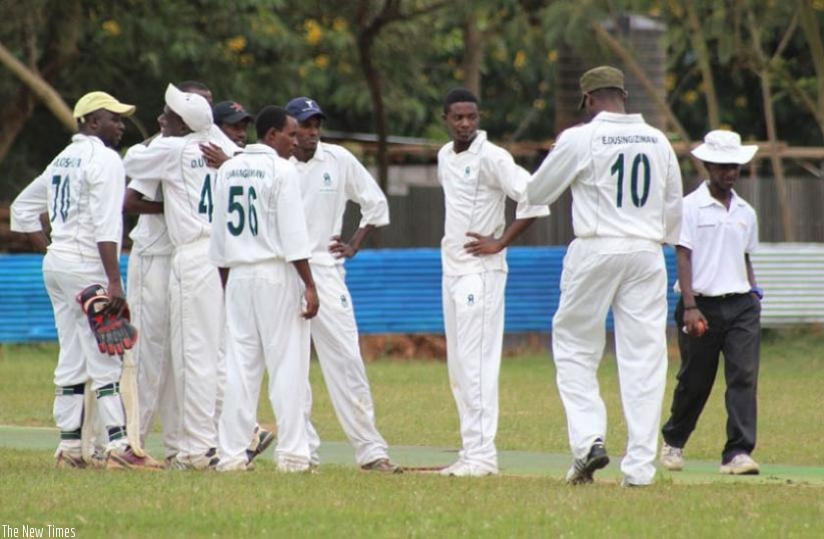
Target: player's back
(258,210)
(85,185)
(632,178)
(187,183)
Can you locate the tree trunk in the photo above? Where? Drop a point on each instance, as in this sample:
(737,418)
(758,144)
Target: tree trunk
(373,82)
(473,54)
(699,45)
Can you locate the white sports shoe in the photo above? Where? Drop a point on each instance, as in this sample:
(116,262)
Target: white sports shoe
(461,468)
(672,458)
(238,465)
(741,464)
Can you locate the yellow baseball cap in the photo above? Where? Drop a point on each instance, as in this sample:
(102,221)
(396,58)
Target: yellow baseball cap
(93,101)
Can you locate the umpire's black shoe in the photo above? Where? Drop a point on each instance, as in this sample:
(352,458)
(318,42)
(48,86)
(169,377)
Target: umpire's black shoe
(582,470)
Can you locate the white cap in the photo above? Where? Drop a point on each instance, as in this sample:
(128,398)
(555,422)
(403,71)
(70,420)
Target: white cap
(193,108)
(724,147)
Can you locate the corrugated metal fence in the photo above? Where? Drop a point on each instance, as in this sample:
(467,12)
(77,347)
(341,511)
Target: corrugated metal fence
(399,290)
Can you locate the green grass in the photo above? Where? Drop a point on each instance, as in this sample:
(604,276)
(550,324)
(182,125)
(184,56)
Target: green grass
(415,408)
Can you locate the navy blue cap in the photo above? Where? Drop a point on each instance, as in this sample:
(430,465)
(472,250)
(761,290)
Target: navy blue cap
(303,108)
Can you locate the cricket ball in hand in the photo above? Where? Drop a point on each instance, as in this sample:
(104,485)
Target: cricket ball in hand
(700,328)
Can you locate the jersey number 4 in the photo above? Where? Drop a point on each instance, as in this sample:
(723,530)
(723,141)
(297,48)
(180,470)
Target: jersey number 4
(640,173)
(236,207)
(206,205)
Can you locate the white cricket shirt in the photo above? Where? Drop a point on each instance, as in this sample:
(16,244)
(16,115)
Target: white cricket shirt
(187,183)
(719,239)
(475,185)
(258,210)
(328,180)
(624,175)
(82,191)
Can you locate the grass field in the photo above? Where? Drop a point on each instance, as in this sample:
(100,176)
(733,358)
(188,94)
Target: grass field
(416,414)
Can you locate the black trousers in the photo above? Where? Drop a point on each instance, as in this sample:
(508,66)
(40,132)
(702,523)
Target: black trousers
(734,329)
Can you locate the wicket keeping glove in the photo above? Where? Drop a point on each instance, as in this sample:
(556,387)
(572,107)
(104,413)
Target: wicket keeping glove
(113,330)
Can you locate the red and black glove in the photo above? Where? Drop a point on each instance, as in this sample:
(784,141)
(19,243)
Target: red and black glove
(111,328)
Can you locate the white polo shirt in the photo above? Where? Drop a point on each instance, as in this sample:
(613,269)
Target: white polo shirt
(475,185)
(258,210)
(328,180)
(719,239)
(624,176)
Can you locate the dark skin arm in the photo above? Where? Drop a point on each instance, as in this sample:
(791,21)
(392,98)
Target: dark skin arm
(489,245)
(135,203)
(108,256)
(350,249)
(213,154)
(692,317)
(750,271)
(38,240)
(310,295)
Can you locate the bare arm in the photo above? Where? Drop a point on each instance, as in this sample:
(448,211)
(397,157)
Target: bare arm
(311,293)
(692,316)
(135,203)
(111,265)
(38,240)
(350,249)
(489,245)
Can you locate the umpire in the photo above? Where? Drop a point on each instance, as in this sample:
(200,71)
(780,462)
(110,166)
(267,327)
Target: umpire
(720,307)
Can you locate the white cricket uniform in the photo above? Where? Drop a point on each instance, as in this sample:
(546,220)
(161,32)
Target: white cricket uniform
(148,292)
(626,192)
(476,183)
(328,180)
(195,293)
(82,192)
(259,228)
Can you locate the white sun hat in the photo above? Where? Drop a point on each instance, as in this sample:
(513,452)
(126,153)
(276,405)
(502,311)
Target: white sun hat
(723,147)
(193,108)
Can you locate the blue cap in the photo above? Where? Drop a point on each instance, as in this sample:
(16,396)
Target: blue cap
(303,108)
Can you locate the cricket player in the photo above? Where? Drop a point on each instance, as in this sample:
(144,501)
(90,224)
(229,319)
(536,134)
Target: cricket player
(82,192)
(329,177)
(196,296)
(626,202)
(477,176)
(260,243)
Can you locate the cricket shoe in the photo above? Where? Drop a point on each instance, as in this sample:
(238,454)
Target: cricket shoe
(124,458)
(741,464)
(66,458)
(582,470)
(462,468)
(265,439)
(382,465)
(237,465)
(672,458)
(204,462)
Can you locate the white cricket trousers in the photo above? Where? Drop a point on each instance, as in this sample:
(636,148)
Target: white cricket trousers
(335,335)
(628,275)
(264,328)
(473,312)
(148,293)
(196,315)
(79,358)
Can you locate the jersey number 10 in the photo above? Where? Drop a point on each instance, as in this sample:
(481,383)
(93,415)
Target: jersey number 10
(640,171)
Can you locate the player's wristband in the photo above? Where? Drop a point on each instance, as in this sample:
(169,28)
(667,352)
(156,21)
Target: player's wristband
(758,291)
(690,308)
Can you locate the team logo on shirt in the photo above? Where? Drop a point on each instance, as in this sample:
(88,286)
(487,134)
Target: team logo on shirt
(467,172)
(327,184)
(470,300)
(343,301)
